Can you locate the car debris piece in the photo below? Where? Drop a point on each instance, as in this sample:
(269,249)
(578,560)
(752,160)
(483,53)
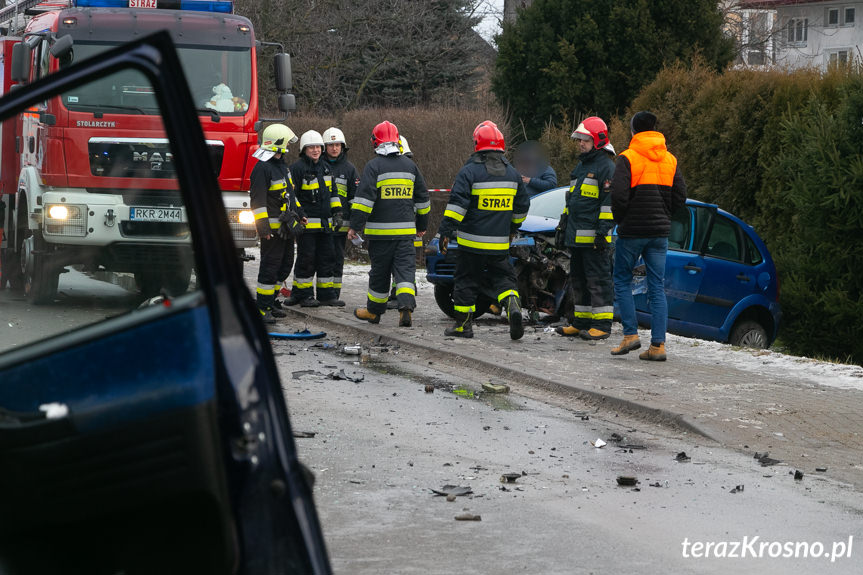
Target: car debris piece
(599,443)
(486,427)
(450,497)
(509,477)
(798,475)
(468,517)
(631,446)
(429,388)
(463,392)
(615,438)
(682,457)
(299,374)
(766,461)
(626,480)
(341,375)
(352,349)
(737,489)
(452,490)
(821,469)
(302,334)
(304,434)
(657,484)
(495,388)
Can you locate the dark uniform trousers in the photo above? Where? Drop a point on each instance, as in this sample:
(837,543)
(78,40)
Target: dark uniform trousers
(472,268)
(277,258)
(592,288)
(339,240)
(394,259)
(314,254)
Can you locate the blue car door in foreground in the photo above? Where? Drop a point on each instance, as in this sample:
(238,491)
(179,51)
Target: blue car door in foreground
(139,435)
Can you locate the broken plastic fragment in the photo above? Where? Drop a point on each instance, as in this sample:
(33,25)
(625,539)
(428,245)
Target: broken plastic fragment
(495,388)
(509,477)
(468,517)
(737,489)
(626,480)
(599,443)
(452,490)
(682,457)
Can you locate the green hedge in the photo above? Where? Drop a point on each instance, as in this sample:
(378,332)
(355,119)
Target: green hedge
(784,151)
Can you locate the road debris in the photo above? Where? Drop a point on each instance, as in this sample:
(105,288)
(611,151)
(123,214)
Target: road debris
(429,388)
(509,477)
(615,438)
(455,490)
(626,480)
(468,517)
(798,475)
(766,461)
(450,497)
(495,388)
(299,374)
(821,469)
(737,489)
(304,434)
(682,457)
(352,349)
(599,443)
(341,375)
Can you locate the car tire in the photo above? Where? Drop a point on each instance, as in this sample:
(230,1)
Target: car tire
(749,333)
(443,298)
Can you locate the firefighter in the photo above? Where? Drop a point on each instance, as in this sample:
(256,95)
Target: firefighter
(487,203)
(392,204)
(271,192)
(315,191)
(586,225)
(393,301)
(346,179)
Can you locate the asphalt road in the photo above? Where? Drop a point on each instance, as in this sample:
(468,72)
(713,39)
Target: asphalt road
(381,444)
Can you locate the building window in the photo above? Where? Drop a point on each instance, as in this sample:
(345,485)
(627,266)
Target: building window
(850,16)
(798,31)
(832,17)
(837,58)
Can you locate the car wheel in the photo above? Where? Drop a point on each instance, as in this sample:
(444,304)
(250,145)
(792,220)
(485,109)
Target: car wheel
(443,298)
(749,333)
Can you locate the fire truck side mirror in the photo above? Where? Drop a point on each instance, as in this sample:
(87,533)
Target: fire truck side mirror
(287,103)
(21,54)
(282,72)
(62,47)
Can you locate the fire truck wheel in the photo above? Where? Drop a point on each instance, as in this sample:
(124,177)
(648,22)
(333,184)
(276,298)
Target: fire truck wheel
(149,282)
(10,273)
(40,276)
(176,280)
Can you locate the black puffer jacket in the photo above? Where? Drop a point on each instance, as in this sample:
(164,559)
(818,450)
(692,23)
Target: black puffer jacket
(647,188)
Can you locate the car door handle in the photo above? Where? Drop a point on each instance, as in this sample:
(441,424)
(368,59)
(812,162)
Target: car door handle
(743,277)
(694,269)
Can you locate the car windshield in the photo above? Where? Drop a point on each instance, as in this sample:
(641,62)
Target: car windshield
(219,79)
(549,204)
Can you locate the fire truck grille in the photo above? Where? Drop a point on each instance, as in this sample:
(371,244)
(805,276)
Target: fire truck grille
(128,158)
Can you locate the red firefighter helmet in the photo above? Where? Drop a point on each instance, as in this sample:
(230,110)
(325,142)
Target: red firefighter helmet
(592,128)
(481,124)
(487,137)
(383,133)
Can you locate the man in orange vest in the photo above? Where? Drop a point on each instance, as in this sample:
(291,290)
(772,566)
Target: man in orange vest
(646,190)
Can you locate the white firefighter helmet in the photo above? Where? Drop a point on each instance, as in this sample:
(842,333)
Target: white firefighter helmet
(405,149)
(334,136)
(311,138)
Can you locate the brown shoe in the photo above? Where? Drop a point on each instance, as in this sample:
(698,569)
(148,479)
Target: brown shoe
(653,353)
(629,343)
(567,330)
(405,318)
(365,315)
(594,334)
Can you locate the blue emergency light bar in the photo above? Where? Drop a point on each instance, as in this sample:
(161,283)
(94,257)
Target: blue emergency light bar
(222,6)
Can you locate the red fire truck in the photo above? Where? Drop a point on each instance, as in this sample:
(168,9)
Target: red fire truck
(87,178)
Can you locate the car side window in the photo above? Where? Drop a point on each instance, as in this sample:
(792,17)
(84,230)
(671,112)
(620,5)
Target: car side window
(702,224)
(724,241)
(681,228)
(753,255)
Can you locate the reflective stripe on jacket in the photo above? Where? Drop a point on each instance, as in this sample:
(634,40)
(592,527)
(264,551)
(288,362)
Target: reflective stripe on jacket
(488,199)
(315,191)
(588,201)
(392,201)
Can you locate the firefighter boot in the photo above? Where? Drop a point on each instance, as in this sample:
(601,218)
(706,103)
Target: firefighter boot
(513,312)
(567,330)
(278,313)
(404,318)
(629,343)
(594,334)
(462,327)
(656,352)
(267,316)
(365,315)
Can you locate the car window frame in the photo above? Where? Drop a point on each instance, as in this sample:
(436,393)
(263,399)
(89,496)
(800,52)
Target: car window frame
(245,365)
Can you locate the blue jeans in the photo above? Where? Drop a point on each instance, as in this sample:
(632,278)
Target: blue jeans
(626,252)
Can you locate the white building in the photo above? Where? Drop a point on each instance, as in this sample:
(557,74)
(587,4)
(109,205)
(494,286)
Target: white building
(816,33)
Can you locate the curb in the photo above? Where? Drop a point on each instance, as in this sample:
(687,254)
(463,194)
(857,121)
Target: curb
(655,414)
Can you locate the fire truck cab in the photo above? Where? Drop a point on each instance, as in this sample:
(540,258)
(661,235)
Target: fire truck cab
(87,177)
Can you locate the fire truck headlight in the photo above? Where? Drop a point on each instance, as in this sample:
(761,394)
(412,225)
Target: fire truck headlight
(246,217)
(58,212)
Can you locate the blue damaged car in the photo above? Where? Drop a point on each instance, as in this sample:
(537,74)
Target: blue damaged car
(720,279)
